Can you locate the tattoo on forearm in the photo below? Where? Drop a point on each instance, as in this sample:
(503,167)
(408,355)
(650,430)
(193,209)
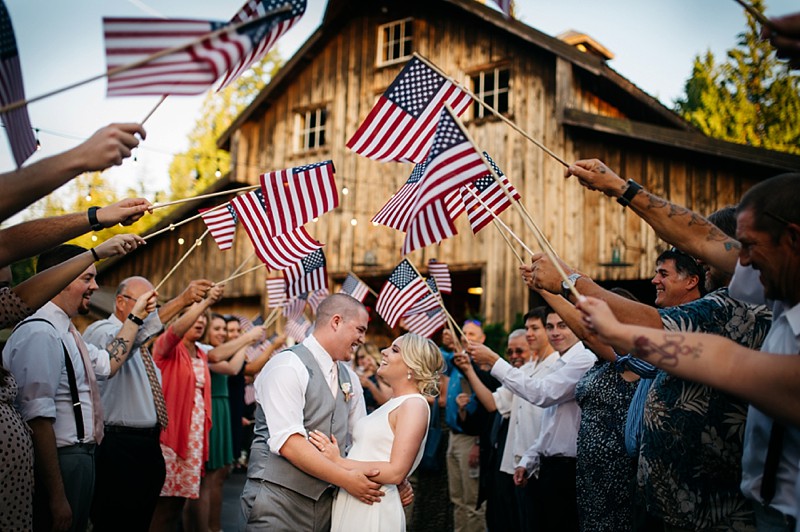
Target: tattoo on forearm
(666,354)
(731,245)
(654,202)
(117,349)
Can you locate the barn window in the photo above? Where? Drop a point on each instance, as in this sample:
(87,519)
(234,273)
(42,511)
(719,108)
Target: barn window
(394,41)
(310,128)
(491,86)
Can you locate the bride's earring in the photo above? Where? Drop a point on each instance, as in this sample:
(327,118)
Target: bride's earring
(409,375)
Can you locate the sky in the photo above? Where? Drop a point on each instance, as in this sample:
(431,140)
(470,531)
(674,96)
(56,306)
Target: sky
(61,43)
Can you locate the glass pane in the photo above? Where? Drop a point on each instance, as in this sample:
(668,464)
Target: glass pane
(321,137)
(489,99)
(406,47)
(312,139)
(322,116)
(502,102)
(395,50)
(311,120)
(488,81)
(503,77)
(477,110)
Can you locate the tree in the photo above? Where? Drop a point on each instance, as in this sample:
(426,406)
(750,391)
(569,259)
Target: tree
(751,98)
(203,163)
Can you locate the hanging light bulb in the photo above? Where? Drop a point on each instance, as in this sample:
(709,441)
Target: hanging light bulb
(38,144)
(181,241)
(94,238)
(89,194)
(218,172)
(353,222)
(345,191)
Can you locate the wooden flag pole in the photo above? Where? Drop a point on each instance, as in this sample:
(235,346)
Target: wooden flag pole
(494,111)
(240,274)
(245,261)
(185,256)
(371,291)
(441,304)
(756,14)
(543,243)
(145,60)
(272,318)
(205,196)
(498,223)
(153,110)
(171,227)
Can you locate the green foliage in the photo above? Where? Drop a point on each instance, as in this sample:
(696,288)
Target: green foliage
(202,164)
(751,98)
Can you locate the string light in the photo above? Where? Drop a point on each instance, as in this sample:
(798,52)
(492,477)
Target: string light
(345,191)
(353,222)
(94,238)
(89,194)
(181,241)
(218,172)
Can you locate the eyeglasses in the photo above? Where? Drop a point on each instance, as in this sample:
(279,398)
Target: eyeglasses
(515,350)
(126,296)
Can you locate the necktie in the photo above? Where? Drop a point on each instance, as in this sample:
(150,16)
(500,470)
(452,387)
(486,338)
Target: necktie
(333,379)
(155,387)
(97,404)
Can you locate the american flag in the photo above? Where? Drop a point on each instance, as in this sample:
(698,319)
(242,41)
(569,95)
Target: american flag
(403,288)
(505,7)
(355,287)
(282,23)
(276,292)
(298,195)
(429,301)
(295,307)
(441,272)
(490,193)
(277,253)
(17,122)
(400,126)
(430,225)
(426,323)
(189,71)
(397,211)
(316,297)
(307,275)
(221,221)
(298,328)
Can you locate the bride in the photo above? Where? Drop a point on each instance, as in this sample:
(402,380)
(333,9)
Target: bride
(390,439)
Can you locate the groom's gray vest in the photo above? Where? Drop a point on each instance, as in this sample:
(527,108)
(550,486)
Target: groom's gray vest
(321,413)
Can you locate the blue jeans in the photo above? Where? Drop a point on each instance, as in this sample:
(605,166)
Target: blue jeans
(771,520)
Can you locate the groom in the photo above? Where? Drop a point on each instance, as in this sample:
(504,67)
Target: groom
(290,485)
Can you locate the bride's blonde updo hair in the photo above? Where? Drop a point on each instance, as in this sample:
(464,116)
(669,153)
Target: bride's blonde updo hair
(425,361)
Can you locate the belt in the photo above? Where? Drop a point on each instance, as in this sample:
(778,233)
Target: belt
(137,431)
(564,459)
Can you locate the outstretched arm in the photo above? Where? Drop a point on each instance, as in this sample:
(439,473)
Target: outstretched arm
(767,380)
(681,227)
(107,147)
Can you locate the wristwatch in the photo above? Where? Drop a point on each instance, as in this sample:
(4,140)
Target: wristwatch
(93,221)
(630,192)
(136,319)
(573,278)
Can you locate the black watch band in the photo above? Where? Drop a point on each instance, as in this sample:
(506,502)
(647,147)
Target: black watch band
(136,319)
(93,221)
(630,192)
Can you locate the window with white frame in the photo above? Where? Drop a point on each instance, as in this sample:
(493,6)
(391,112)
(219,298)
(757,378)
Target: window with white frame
(394,41)
(491,86)
(310,129)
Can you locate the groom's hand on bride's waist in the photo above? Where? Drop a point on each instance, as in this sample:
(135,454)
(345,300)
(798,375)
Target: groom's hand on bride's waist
(360,486)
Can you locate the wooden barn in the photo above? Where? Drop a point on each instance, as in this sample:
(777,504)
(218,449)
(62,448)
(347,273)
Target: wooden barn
(559,90)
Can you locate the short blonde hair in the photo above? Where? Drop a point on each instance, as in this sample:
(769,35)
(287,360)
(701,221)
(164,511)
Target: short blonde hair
(425,361)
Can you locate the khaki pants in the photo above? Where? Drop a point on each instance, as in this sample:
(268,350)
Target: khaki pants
(463,488)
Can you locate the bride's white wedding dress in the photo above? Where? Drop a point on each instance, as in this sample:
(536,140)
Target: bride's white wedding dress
(372,442)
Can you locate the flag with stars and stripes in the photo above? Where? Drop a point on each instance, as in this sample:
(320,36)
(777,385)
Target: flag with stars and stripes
(428,302)
(397,211)
(426,323)
(490,193)
(298,328)
(316,297)
(17,122)
(189,70)
(430,225)
(281,24)
(278,252)
(307,275)
(403,288)
(221,221)
(295,306)
(505,7)
(441,272)
(402,123)
(354,287)
(276,292)
(296,196)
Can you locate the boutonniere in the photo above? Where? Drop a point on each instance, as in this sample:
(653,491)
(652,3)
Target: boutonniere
(347,391)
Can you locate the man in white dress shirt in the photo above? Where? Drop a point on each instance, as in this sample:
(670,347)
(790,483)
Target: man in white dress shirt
(552,457)
(290,484)
(58,397)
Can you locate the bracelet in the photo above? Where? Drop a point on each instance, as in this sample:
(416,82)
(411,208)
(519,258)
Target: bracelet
(94,223)
(136,319)
(94,254)
(630,192)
